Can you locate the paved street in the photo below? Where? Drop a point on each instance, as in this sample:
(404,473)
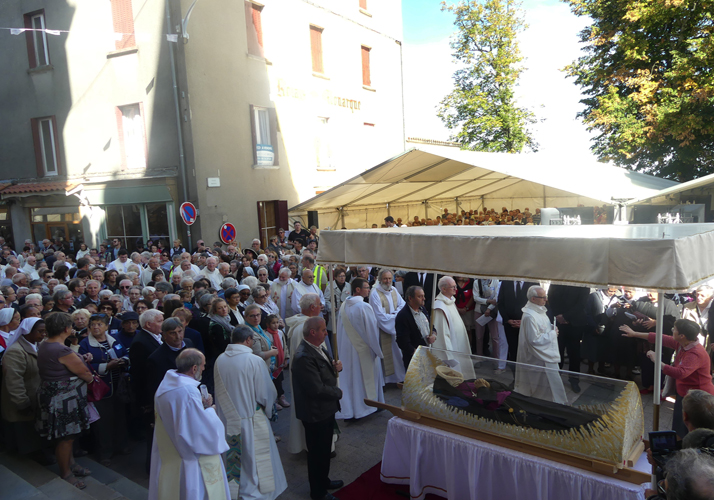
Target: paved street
(358,449)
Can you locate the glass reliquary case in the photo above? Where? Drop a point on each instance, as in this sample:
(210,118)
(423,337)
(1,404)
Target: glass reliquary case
(529,405)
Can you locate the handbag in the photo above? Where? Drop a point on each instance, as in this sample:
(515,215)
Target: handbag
(97,388)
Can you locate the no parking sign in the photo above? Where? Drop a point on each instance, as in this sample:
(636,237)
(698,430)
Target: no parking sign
(227,233)
(188,213)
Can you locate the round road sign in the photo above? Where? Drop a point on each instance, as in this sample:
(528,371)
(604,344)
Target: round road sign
(188,213)
(228,233)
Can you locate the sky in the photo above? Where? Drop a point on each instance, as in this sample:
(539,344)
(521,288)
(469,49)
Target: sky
(548,44)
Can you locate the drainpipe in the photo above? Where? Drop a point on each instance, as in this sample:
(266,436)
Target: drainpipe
(182,159)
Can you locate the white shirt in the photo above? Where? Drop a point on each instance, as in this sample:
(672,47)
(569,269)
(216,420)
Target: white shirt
(421,322)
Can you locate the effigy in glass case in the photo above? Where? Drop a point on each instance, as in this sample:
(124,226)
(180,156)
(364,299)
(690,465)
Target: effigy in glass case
(528,407)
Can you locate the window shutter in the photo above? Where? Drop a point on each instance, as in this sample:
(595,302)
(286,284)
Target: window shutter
(316,47)
(274,129)
(253,134)
(366,78)
(258,23)
(123,20)
(35,124)
(282,213)
(58,155)
(120,137)
(29,38)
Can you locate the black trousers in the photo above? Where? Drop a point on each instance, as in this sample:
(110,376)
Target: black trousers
(278,383)
(318,437)
(109,431)
(569,338)
(512,337)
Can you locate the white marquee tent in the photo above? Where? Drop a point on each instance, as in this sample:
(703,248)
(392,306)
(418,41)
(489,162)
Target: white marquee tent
(421,182)
(664,257)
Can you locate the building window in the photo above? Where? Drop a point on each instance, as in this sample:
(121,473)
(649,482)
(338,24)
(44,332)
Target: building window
(158,221)
(316,49)
(322,145)
(37,51)
(132,138)
(124,223)
(46,141)
(254,28)
(123,21)
(57,223)
(366,77)
(264,126)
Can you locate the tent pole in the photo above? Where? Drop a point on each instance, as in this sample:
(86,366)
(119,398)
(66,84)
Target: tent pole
(433,298)
(333,320)
(426,209)
(658,361)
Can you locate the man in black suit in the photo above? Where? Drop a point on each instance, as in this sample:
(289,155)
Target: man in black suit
(163,359)
(511,299)
(424,280)
(412,324)
(145,342)
(568,304)
(317,398)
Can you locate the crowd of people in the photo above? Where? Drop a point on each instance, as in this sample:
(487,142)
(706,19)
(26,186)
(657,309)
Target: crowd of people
(189,351)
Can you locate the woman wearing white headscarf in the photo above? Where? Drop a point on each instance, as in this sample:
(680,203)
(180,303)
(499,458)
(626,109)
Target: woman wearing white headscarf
(9,321)
(21,378)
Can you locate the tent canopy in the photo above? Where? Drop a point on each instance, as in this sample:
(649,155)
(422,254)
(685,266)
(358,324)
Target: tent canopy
(703,183)
(444,175)
(653,256)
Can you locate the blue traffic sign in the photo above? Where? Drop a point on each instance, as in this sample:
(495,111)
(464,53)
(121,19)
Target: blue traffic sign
(188,213)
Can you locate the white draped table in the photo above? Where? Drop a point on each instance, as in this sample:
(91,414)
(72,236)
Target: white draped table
(430,460)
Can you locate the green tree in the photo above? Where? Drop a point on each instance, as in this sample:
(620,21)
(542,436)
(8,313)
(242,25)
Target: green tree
(482,111)
(647,75)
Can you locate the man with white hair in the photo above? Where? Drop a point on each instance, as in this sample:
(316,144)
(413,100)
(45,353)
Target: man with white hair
(29,267)
(147,274)
(281,291)
(212,273)
(310,307)
(538,345)
(307,285)
(451,333)
(386,303)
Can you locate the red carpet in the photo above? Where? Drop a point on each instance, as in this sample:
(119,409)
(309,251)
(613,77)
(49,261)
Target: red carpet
(369,486)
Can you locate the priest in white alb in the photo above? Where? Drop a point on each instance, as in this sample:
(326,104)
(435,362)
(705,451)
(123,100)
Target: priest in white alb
(281,290)
(245,395)
(538,345)
(451,333)
(212,273)
(189,437)
(386,303)
(360,352)
(307,285)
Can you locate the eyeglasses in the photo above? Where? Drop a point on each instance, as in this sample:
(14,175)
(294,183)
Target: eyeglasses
(253,316)
(541,297)
(125,287)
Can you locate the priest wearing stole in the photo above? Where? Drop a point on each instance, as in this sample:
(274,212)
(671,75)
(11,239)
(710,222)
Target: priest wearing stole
(188,437)
(245,395)
(538,345)
(281,291)
(360,352)
(386,303)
